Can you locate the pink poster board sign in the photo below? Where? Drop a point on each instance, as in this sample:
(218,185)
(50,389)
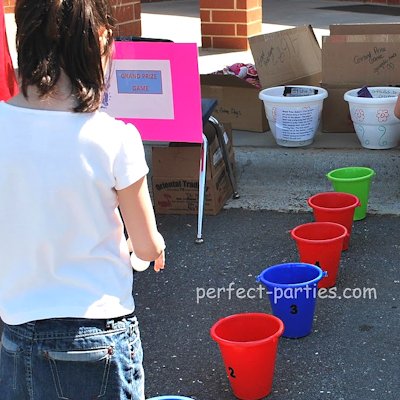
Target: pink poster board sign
(156,87)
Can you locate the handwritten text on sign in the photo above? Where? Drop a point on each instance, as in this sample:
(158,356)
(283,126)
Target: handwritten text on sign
(139,81)
(285,47)
(379,57)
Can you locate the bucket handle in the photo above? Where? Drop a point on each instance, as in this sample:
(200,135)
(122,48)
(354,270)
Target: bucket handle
(324,275)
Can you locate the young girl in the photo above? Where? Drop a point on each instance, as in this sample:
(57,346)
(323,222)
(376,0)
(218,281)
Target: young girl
(65,168)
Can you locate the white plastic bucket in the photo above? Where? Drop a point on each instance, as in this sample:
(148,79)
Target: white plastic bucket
(373,118)
(293,120)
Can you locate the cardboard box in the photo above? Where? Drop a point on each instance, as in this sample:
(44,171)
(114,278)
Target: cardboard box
(291,56)
(238,102)
(335,112)
(287,57)
(175,179)
(353,56)
(357,60)
(364,29)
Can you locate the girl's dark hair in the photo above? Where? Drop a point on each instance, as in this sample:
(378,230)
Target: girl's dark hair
(64,34)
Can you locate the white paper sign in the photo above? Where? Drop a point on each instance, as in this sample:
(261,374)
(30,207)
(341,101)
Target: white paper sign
(140,89)
(297,124)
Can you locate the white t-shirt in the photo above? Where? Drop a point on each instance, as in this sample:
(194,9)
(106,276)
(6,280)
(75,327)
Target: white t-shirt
(62,248)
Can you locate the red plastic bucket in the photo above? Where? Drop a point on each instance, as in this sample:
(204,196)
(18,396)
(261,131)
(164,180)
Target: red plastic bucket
(321,244)
(336,207)
(248,343)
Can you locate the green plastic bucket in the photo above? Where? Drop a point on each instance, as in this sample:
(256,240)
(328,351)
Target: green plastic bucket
(353,180)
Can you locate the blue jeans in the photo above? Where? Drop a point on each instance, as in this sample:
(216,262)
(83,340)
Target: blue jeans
(72,359)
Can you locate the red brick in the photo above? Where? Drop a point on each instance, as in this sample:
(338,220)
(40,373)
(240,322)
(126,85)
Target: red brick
(229,16)
(249,29)
(121,2)
(217,4)
(238,43)
(137,28)
(206,41)
(137,10)
(124,13)
(248,4)
(254,15)
(9,6)
(129,29)
(205,15)
(218,29)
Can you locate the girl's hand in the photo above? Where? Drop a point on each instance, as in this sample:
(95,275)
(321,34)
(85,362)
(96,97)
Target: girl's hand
(159,264)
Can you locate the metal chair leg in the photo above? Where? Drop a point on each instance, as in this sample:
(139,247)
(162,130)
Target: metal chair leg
(220,135)
(202,189)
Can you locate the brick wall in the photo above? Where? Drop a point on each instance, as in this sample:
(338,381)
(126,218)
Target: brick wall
(9,6)
(383,2)
(127,13)
(229,23)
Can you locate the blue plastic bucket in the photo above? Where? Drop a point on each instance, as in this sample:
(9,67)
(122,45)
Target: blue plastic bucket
(170,397)
(292,291)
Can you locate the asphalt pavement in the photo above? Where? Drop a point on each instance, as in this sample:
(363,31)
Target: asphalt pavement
(353,351)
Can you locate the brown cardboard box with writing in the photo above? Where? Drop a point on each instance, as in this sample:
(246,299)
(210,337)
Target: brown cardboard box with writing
(353,56)
(175,179)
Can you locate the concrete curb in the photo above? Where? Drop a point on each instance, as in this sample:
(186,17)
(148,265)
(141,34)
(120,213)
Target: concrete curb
(282,179)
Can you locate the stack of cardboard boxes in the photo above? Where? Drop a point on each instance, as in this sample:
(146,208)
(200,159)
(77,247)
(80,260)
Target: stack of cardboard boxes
(353,56)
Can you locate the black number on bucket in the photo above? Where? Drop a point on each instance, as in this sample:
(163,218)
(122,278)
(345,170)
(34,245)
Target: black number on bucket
(293,309)
(317,264)
(231,372)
